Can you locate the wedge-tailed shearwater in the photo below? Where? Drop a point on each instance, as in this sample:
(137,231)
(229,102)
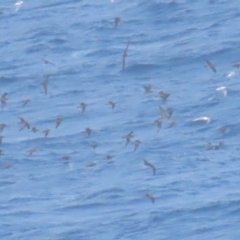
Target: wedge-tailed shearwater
(166,113)
(125,55)
(83,106)
(147,163)
(237,65)
(151,197)
(23,123)
(88,131)
(116,21)
(164,96)
(34,129)
(172,123)
(47,62)
(128,137)
(45,85)
(148,89)
(211,66)
(31,151)
(158,123)
(25,101)
(58,122)
(46,132)
(3,100)
(112,104)
(2,126)
(136,144)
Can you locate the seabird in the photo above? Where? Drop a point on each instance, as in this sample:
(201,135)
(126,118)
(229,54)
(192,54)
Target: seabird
(116,21)
(172,123)
(237,65)
(211,65)
(23,123)
(34,129)
(151,197)
(147,163)
(125,55)
(93,145)
(108,157)
(31,151)
(128,137)
(66,157)
(45,85)
(25,101)
(47,62)
(58,122)
(136,144)
(88,131)
(112,104)
(158,123)
(148,89)
(2,126)
(46,132)
(164,96)
(83,106)
(92,164)
(3,100)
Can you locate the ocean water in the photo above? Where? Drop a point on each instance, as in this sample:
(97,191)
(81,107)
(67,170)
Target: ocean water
(44,196)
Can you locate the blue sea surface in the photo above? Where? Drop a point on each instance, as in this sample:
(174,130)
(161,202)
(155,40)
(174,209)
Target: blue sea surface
(87,196)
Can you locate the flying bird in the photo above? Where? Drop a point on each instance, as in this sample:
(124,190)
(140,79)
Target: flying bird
(34,129)
(3,100)
(93,145)
(112,104)
(66,157)
(1,153)
(125,55)
(116,21)
(58,122)
(46,132)
(136,144)
(88,131)
(92,164)
(148,89)
(128,137)
(2,126)
(47,62)
(108,157)
(222,130)
(164,96)
(45,85)
(237,65)
(169,112)
(23,123)
(25,101)
(31,151)
(1,138)
(158,123)
(147,163)
(211,66)
(151,197)
(83,106)
(172,123)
